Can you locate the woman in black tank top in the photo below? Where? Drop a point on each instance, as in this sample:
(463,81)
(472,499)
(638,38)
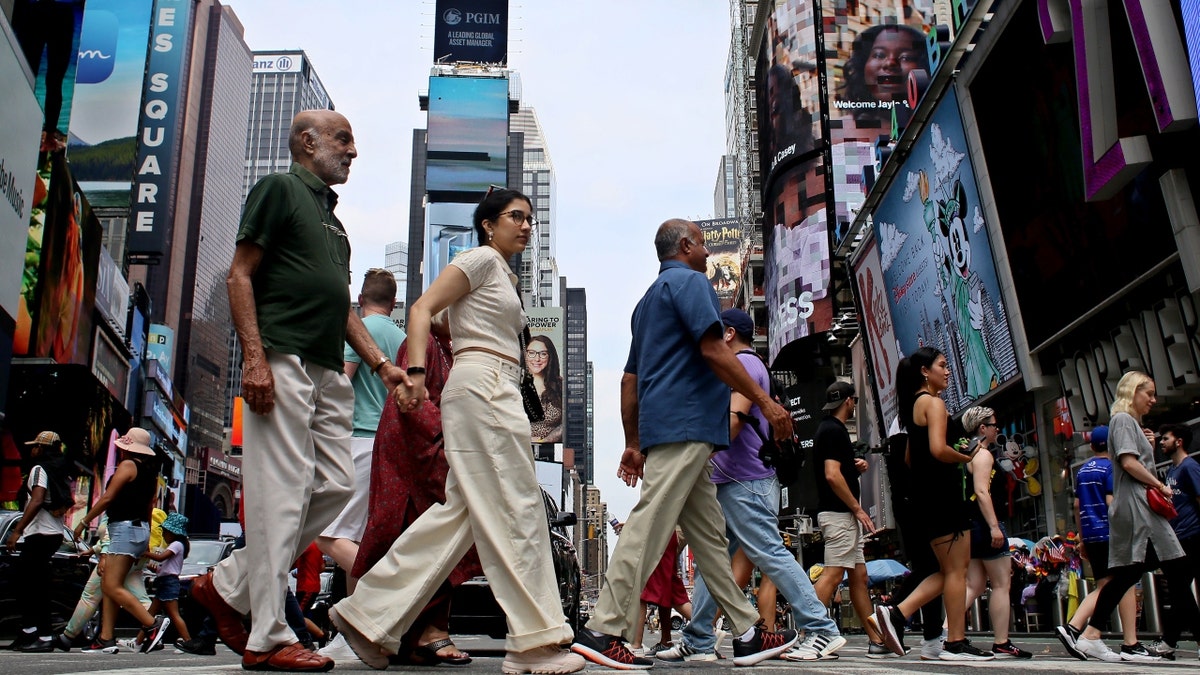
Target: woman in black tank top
(128,499)
(938,497)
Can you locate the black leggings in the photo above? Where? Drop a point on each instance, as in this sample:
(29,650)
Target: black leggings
(1183,603)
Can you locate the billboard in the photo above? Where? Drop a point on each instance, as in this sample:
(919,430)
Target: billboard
(876,322)
(58,285)
(49,37)
(937,262)
(112,293)
(544,359)
(278,63)
(160,346)
(104,117)
(448,232)
(467,143)
(726,241)
(796,257)
(788,88)
(160,117)
(471,30)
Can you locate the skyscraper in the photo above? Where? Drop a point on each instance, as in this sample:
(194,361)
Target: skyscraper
(539,270)
(575,431)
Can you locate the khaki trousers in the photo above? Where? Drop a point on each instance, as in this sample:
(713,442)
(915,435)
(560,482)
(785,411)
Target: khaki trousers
(677,488)
(297,475)
(492,501)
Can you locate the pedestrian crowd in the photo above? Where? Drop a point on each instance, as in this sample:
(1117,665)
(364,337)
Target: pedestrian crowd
(406,460)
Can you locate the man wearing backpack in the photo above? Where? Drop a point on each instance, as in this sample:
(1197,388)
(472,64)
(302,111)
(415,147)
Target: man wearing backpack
(748,492)
(40,533)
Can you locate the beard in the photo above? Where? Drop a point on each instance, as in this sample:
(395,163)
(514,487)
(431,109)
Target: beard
(328,164)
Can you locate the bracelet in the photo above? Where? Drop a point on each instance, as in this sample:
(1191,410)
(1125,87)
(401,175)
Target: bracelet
(375,370)
(416,370)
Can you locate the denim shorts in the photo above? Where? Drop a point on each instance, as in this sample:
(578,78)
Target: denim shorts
(127,538)
(981,542)
(166,588)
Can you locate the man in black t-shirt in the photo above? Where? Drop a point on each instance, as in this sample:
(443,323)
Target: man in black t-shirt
(841,517)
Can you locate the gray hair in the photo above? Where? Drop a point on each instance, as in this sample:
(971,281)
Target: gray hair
(666,241)
(975,416)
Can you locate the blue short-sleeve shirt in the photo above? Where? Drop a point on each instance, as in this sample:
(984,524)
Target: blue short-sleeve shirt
(679,397)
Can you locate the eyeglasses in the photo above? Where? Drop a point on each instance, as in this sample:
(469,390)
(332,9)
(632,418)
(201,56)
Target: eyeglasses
(519,217)
(990,424)
(536,354)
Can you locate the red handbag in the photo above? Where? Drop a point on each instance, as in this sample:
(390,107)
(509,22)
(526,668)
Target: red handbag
(1160,504)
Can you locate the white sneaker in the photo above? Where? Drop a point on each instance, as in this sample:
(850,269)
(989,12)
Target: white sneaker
(340,652)
(548,659)
(128,643)
(682,652)
(1096,649)
(931,650)
(816,647)
(637,651)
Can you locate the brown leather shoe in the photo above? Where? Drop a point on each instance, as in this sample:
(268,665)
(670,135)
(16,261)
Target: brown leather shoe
(287,658)
(229,620)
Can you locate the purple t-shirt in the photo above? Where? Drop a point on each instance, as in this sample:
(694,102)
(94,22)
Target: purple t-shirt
(740,460)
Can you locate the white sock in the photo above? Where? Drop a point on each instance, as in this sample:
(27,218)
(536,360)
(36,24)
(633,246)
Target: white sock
(29,631)
(747,635)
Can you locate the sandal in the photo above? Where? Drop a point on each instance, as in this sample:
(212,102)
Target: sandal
(428,654)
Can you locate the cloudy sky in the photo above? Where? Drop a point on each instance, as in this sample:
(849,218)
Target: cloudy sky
(629,94)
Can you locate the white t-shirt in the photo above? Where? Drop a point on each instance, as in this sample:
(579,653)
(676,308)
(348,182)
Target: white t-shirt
(490,315)
(174,564)
(43,521)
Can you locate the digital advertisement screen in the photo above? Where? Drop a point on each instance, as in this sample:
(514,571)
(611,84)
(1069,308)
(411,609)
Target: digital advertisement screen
(471,30)
(937,262)
(49,37)
(544,360)
(789,94)
(448,232)
(467,144)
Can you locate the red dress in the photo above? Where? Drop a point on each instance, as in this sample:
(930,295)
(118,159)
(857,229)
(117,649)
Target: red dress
(665,587)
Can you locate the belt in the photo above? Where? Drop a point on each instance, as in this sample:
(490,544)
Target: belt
(493,352)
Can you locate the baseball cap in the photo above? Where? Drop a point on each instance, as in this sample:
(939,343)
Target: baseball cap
(836,393)
(45,438)
(739,321)
(1100,437)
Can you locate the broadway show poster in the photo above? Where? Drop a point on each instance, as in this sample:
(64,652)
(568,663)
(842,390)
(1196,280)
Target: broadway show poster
(876,322)
(58,286)
(49,35)
(937,262)
(108,84)
(726,242)
(544,360)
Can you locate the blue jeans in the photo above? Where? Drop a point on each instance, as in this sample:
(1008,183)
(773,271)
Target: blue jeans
(750,523)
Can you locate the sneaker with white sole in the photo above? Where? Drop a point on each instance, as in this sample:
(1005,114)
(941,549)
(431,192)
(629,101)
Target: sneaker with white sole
(339,650)
(816,647)
(1096,649)
(658,647)
(99,646)
(548,659)
(931,650)
(1068,635)
(890,624)
(878,650)
(963,650)
(128,643)
(1010,651)
(762,645)
(1138,652)
(682,652)
(608,650)
(636,651)
(1162,650)
(155,633)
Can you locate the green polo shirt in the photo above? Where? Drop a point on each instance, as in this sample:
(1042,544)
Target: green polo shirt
(302,285)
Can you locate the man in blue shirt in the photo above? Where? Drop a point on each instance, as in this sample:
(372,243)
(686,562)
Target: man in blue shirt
(1093,492)
(675,413)
(1184,479)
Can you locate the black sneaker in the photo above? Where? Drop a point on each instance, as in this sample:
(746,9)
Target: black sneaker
(608,650)
(154,634)
(1138,652)
(61,641)
(197,646)
(890,623)
(1162,650)
(1010,651)
(38,646)
(1067,635)
(963,650)
(762,645)
(23,640)
(99,646)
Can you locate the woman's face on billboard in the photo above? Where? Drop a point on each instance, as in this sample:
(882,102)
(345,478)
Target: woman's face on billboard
(537,355)
(893,55)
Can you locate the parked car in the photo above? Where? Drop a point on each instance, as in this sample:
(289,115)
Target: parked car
(474,609)
(69,571)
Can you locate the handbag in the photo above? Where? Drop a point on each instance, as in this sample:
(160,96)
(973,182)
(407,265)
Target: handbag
(529,395)
(1160,504)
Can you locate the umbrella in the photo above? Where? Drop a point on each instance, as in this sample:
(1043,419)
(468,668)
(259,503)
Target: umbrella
(1018,542)
(885,569)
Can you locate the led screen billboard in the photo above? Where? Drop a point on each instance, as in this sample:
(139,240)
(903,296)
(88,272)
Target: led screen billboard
(726,241)
(544,359)
(471,30)
(788,91)
(104,117)
(937,262)
(448,232)
(467,143)
(796,256)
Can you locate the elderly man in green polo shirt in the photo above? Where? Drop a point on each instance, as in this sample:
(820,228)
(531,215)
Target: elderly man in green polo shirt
(290,301)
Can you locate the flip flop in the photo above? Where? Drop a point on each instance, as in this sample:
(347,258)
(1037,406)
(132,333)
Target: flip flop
(428,653)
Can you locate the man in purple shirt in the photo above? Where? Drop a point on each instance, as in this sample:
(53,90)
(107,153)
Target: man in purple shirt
(748,492)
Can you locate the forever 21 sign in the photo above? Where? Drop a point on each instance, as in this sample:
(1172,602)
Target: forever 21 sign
(153,197)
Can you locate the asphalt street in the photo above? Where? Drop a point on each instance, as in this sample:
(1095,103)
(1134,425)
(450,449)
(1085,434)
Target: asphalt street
(1049,658)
